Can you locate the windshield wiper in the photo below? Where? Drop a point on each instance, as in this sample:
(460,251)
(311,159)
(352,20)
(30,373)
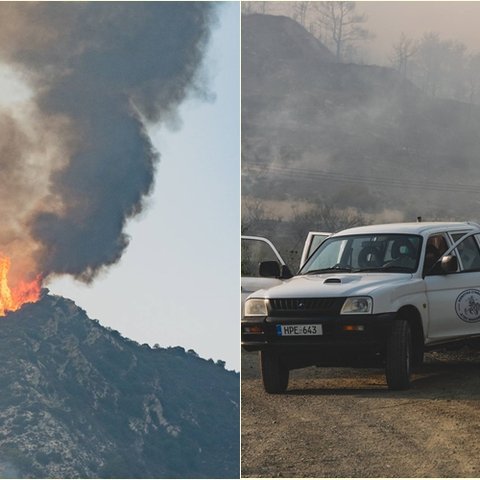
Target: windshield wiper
(391,268)
(330,269)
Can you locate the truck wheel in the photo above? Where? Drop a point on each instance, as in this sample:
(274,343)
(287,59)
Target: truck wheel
(418,347)
(274,373)
(417,356)
(399,356)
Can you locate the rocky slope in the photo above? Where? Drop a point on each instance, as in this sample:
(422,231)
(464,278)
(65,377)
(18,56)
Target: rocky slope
(80,401)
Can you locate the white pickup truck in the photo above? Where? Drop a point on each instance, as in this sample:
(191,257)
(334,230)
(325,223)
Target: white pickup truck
(375,295)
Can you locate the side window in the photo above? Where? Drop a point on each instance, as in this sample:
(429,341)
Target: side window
(436,246)
(316,241)
(469,254)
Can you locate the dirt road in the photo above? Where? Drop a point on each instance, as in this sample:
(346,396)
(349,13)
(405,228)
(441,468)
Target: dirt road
(345,423)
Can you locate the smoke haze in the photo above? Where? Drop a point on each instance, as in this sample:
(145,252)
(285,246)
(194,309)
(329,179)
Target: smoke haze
(326,137)
(76,161)
(386,20)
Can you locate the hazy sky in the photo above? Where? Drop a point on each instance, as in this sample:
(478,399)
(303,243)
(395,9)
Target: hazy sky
(178,283)
(387,20)
(452,20)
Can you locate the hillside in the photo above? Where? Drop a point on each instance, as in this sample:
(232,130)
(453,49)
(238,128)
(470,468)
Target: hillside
(80,401)
(354,135)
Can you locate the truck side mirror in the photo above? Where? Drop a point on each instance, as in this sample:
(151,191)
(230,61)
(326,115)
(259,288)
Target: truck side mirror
(449,264)
(269,268)
(285,272)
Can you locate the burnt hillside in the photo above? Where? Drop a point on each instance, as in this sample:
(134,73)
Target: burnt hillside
(81,401)
(355,135)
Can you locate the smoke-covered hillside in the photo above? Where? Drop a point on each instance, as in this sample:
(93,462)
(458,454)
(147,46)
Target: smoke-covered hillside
(80,401)
(358,137)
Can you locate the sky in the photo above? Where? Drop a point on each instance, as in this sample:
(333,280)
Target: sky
(388,19)
(452,20)
(178,282)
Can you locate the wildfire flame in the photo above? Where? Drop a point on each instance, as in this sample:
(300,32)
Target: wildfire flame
(12,299)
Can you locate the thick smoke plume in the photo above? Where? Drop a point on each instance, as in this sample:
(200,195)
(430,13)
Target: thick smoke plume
(75,160)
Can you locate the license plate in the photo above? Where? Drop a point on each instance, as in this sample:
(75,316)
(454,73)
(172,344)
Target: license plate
(291,330)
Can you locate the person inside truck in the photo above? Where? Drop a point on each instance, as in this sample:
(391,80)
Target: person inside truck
(403,254)
(436,247)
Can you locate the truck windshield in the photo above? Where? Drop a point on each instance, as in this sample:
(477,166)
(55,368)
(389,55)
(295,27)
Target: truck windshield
(366,253)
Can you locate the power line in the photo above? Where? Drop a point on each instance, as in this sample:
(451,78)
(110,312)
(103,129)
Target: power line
(315,175)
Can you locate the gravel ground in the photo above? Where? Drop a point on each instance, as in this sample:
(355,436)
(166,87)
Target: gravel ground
(344,422)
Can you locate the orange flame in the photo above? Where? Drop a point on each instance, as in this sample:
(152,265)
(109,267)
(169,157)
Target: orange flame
(24,292)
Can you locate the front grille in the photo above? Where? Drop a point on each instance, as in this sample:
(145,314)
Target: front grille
(291,307)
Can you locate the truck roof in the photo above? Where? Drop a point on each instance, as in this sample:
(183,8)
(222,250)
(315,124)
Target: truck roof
(416,228)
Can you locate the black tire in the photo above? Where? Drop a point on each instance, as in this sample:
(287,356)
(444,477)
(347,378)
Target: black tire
(418,355)
(274,372)
(399,356)
(418,347)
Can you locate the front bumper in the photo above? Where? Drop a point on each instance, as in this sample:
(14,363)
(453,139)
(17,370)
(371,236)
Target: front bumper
(335,346)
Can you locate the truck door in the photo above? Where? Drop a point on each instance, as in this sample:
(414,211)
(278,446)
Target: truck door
(454,299)
(313,241)
(254,251)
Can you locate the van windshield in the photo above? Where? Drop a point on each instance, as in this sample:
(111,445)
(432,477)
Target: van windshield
(366,253)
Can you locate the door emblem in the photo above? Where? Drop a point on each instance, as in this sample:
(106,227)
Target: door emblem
(467,306)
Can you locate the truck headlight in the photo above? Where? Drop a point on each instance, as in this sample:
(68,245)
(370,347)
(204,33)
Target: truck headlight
(354,305)
(256,307)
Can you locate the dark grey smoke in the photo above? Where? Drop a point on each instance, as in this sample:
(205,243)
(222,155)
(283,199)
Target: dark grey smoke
(98,65)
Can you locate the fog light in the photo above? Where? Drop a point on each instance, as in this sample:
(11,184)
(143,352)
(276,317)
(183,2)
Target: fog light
(253,329)
(353,328)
